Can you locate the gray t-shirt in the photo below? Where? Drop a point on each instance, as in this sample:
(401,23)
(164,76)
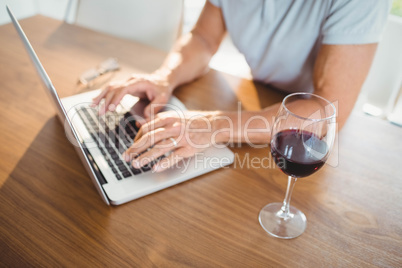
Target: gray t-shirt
(280,39)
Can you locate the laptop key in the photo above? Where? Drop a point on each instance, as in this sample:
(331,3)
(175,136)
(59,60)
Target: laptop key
(115,156)
(127,115)
(135,171)
(135,127)
(94,137)
(122,150)
(130,132)
(118,177)
(127,144)
(122,168)
(147,167)
(117,143)
(112,136)
(103,138)
(126,174)
(119,162)
(133,124)
(92,122)
(114,170)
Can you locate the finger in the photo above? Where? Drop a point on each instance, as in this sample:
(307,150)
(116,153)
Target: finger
(97,99)
(156,105)
(170,161)
(145,142)
(138,136)
(116,98)
(113,86)
(139,123)
(109,96)
(106,106)
(159,122)
(160,149)
(138,87)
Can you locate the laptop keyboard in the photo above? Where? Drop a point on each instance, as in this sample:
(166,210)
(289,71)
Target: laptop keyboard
(114,134)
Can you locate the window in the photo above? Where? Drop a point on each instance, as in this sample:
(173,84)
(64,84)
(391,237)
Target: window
(397,8)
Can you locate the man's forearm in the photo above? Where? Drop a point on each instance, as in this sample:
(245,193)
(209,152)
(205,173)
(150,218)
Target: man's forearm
(187,61)
(192,52)
(252,127)
(339,73)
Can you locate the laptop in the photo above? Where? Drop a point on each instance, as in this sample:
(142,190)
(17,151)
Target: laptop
(100,141)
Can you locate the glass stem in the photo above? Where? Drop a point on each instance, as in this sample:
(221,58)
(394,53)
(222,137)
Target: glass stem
(284,212)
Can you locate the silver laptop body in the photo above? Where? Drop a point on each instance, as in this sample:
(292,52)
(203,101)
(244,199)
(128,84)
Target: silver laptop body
(116,181)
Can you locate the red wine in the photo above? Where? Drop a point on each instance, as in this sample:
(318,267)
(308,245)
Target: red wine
(298,153)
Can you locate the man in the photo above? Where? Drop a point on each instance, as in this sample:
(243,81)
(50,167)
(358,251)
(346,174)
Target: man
(325,47)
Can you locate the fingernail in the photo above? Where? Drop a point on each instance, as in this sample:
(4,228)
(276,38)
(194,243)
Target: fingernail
(101,110)
(125,157)
(135,164)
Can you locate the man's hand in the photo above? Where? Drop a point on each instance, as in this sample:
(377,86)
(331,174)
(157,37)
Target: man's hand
(187,61)
(178,136)
(151,86)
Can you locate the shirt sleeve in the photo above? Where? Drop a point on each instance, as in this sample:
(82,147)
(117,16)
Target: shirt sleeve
(216,3)
(355,21)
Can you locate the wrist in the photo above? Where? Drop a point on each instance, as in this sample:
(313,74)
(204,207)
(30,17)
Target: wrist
(222,127)
(166,78)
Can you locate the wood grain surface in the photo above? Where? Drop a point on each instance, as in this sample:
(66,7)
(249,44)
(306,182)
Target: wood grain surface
(51,215)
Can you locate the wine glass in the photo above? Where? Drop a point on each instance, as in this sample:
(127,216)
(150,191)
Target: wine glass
(302,137)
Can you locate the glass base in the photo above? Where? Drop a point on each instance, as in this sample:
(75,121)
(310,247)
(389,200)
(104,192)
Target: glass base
(277,224)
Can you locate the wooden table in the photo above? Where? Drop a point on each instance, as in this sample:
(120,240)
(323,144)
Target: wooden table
(51,215)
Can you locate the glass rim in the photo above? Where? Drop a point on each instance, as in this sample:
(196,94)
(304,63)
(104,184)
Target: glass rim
(305,118)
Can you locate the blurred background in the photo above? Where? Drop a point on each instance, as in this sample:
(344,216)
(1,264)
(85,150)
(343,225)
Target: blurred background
(381,95)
